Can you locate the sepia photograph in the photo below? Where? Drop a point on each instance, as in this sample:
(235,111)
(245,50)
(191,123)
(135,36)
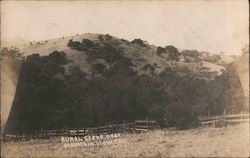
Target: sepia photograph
(121,78)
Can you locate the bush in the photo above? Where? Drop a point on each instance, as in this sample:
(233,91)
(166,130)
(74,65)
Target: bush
(86,43)
(148,67)
(107,37)
(98,68)
(160,50)
(74,44)
(110,53)
(58,57)
(191,55)
(139,42)
(100,38)
(107,52)
(172,52)
(123,40)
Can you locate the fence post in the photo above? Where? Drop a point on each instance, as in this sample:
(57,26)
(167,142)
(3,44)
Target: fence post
(135,126)
(67,132)
(45,134)
(124,125)
(106,129)
(31,135)
(147,124)
(224,117)
(112,130)
(90,131)
(16,136)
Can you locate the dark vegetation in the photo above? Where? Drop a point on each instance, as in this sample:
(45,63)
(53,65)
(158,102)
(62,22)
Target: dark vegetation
(74,45)
(86,43)
(48,98)
(139,42)
(191,56)
(107,37)
(171,52)
(13,58)
(11,54)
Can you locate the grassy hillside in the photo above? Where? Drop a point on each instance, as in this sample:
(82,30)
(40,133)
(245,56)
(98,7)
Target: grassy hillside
(140,55)
(231,141)
(93,79)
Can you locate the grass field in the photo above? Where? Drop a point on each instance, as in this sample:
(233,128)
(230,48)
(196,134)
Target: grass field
(231,141)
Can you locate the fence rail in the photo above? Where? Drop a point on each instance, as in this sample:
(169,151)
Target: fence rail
(223,120)
(224,117)
(144,125)
(130,127)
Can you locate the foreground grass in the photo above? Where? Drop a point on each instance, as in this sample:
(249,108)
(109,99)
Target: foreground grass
(231,141)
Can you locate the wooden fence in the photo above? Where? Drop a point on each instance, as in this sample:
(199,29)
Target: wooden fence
(145,125)
(125,127)
(223,120)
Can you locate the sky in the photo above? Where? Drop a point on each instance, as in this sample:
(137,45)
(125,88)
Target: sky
(205,25)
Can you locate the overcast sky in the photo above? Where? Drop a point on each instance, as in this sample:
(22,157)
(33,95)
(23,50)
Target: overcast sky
(215,26)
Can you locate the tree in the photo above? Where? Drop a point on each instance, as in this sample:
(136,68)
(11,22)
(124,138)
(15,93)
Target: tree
(100,38)
(98,68)
(172,52)
(160,50)
(38,80)
(58,57)
(107,37)
(86,43)
(74,44)
(139,42)
(148,67)
(191,55)
(13,58)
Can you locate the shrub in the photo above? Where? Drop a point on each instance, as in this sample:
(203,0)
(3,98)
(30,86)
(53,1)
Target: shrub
(100,38)
(172,52)
(86,43)
(139,42)
(123,40)
(110,53)
(74,44)
(160,50)
(58,57)
(107,37)
(191,55)
(98,68)
(148,67)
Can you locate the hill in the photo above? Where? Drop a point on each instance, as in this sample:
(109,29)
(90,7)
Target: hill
(92,79)
(140,55)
